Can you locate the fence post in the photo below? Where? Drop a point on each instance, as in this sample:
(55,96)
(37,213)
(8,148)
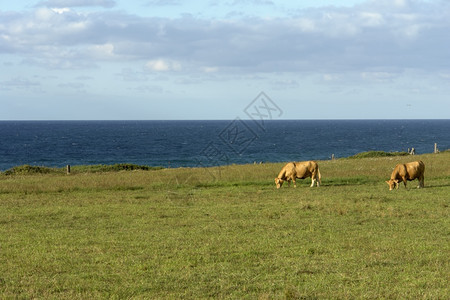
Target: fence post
(435,148)
(68,169)
(332,156)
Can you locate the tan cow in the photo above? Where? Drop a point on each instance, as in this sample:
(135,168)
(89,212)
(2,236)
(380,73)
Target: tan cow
(407,172)
(294,170)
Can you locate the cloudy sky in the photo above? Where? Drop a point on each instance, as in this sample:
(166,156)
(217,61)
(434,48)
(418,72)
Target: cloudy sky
(204,59)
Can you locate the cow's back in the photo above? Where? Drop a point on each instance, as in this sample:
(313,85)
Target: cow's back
(305,168)
(415,169)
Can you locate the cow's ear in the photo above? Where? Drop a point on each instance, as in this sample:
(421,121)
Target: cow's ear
(387,181)
(396,180)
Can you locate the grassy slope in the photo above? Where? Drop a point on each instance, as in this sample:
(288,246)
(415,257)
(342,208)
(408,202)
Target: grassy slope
(227,233)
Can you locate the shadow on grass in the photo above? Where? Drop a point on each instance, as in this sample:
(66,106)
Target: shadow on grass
(436,186)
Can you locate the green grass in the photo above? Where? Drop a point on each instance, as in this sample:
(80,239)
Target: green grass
(227,233)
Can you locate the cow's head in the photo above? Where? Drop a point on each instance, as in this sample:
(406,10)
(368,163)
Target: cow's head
(393,183)
(279,182)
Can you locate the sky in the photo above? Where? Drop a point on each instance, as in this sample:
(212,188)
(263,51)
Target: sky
(206,60)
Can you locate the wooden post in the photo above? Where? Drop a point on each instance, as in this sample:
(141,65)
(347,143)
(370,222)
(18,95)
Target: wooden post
(332,156)
(68,169)
(435,148)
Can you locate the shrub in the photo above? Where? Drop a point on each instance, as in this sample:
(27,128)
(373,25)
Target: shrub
(378,154)
(27,169)
(112,168)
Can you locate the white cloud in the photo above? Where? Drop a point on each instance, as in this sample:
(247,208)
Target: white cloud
(44,15)
(445,75)
(305,25)
(400,3)
(128,74)
(146,89)
(330,77)
(251,2)
(378,76)
(77,3)
(210,69)
(379,34)
(102,52)
(164,3)
(161,65)
(371,19)
(61,10)
(20,83)
(72,85)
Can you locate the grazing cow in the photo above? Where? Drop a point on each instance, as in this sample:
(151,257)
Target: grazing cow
(407,172)
(294,170)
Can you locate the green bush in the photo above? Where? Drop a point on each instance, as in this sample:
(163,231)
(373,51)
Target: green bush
(112,168)
(27,169)
(378,154)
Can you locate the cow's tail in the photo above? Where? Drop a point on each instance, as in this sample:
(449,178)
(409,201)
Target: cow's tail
(319,176)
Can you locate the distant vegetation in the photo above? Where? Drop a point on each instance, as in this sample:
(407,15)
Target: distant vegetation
(30,170)
(27,169)
(369,154)
(112,168)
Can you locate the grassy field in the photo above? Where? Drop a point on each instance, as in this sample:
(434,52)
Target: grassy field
(227,233)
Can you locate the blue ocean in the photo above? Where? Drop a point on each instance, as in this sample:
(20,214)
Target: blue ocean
(208,143)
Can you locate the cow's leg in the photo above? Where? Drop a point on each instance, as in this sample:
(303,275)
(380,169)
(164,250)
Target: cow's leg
(313,179)
(396,184)
(421,182)
(404,181)
(292,178)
